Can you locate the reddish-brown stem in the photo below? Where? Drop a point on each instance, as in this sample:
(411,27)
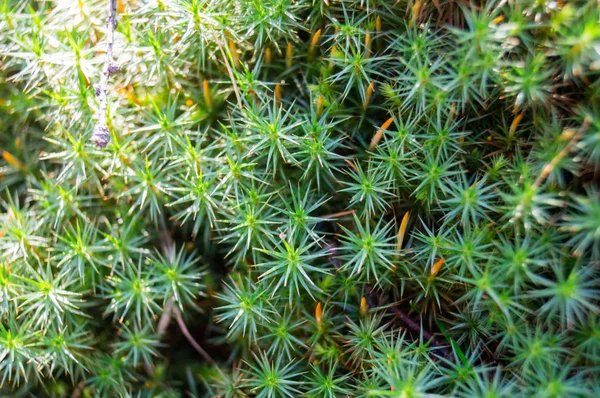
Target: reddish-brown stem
(410,324)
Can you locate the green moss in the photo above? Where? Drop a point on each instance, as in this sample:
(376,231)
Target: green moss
(301,198)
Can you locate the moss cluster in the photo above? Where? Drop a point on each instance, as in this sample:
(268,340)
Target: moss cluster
(319,198)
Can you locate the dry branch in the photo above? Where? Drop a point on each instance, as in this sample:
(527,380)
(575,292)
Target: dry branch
(101,134)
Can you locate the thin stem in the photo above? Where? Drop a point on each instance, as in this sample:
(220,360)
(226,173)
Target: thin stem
(573,138)
(236,90)
(338,215)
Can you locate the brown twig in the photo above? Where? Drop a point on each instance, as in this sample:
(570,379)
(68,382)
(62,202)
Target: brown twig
(190,338)
(77,391)
(165,318)
(409,323)
(167,247)
(168,250)
(101,134)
